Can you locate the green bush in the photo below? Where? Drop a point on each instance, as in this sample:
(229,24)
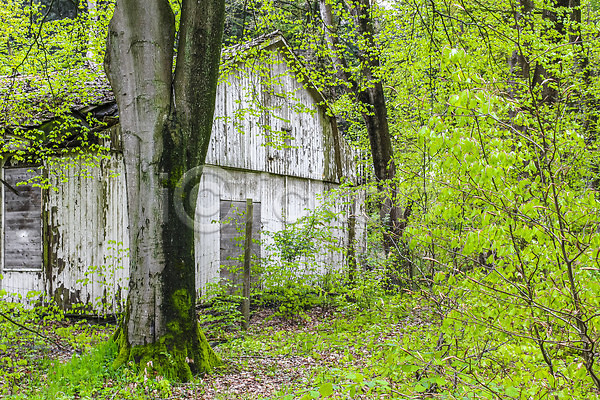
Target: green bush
(221,310)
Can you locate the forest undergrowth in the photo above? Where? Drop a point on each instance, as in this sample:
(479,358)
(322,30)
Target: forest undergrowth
(388,346)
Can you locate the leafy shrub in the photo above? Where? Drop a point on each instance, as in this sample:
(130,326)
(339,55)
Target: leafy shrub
(221,310)
(92,375)
(22,345)
(295,277)
(83,374)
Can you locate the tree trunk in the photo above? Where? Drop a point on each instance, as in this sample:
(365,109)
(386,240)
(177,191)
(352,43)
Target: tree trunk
(374,115)
(166,123)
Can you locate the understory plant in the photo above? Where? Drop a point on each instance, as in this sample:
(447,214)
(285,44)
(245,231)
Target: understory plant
(505,178)
(34,332)
(92,375)
(221,311)
(303,267)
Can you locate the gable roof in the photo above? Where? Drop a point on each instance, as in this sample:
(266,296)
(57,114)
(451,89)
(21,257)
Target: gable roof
(95,96)
(91,108)
(269,42)
(51,96)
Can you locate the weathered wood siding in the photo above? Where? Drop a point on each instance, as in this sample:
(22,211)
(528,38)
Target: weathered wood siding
(248,158)
(263,101)
(83,223)
(85,220)
(282,200)
(86,235)
(22,285)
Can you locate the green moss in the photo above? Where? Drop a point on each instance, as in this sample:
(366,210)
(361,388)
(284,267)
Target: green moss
(176,355)
(174,327)
(182,302)
(175,175)
(208,358)
(120,338)
(157,358)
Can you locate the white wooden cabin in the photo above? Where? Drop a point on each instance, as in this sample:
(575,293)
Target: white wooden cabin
(272,142)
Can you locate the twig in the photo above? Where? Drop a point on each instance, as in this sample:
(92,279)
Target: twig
(399,394)
(56,342)
(263,357)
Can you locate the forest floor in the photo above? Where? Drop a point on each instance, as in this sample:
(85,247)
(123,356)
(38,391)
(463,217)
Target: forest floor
(297,358)
(390,347)
(322,351)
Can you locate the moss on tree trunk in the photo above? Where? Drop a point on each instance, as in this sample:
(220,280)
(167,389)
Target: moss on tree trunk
(166,121)
(173,356)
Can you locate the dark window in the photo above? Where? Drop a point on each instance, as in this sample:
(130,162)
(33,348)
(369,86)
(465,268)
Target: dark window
(60,9)
(233,230)
(22,220)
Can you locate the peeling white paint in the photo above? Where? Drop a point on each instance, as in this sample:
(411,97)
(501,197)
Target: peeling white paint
(86,220)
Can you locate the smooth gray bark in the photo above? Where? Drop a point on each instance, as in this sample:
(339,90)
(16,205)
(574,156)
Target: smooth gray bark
(138,64)
(166,119)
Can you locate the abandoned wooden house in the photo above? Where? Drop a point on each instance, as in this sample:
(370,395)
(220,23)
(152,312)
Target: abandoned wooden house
(272,142)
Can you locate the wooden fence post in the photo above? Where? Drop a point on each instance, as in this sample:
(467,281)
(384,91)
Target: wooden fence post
(247,259)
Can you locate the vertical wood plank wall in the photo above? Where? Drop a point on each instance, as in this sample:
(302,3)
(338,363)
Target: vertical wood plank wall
(283,200)
(85,221)
(85,238)
(87,235)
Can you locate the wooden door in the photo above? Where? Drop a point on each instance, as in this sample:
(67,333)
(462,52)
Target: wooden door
(232,218)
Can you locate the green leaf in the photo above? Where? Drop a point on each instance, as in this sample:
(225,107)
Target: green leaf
(451,280)
(409,368)
(541,373)
(440,380)
(439,277)
(512,391)
(326,389)
(420,388)
(581,372)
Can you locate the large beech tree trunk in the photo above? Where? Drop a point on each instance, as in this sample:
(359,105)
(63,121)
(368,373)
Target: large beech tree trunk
(166,120)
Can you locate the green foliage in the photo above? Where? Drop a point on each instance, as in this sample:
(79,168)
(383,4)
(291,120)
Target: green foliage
(222,311)
(494,117)
(399,348)
(295,273)
(82,375)
(396,346)
(19,347)
(493,113)
(43,65)
(295,276)
(91,375)
(31,335)
(505,164)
